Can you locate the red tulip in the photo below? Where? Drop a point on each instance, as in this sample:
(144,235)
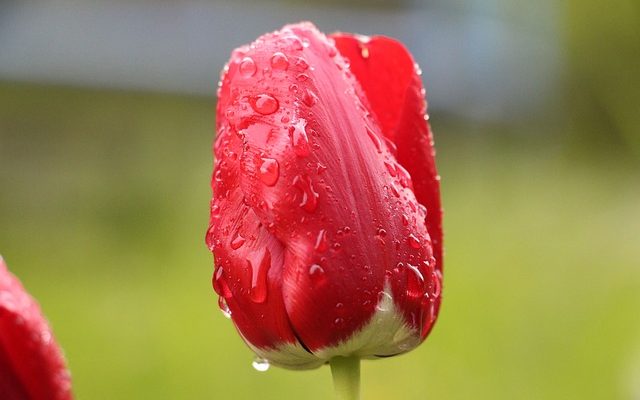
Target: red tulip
(31,363)
(325,220)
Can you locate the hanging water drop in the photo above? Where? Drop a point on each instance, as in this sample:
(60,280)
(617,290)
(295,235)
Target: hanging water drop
(224,307)
(260,364)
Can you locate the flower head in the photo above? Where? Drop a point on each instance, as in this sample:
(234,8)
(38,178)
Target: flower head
(325,220)
(31,363)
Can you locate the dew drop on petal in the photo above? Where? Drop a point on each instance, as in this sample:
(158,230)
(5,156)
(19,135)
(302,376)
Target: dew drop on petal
(317,275)
(415,282)
(220,284)
(260,364)
(414,241)
(309,98)
(224,307)
(391,168)
(375,139)
(259,270)
(405,220)
(248,67)
(299,138)
(237,241)
(385,300)
(309,200)
(265,104)
(279,62)
(436,277)
(269,171)
(302,64)
(322,244)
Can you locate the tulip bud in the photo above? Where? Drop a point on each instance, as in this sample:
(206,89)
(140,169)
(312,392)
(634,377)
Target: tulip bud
(325,220)
(31,363)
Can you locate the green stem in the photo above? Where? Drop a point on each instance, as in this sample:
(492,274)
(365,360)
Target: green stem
(346,377)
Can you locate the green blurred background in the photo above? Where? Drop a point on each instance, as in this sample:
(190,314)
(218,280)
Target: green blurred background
(104,197)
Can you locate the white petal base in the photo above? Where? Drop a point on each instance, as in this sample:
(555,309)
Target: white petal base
(386,334)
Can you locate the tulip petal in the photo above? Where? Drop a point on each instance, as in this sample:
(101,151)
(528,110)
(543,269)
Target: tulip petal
(249,258)
(314,170)
(391,83)
(31,363)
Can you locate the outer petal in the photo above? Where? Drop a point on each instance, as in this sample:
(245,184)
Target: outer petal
(312,167)
(31,363)
(391,82)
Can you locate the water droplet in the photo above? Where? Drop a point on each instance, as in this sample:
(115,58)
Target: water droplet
(375,139)
(237,241)
(394,190)
(415,282)
(220,284)
(390,145)
(317,275)
(364,52)
(320,168)
(247,67)
(405,220)
(269,171)
(436,278)
(321,241)
(302,64)
(265,104)
(309,200)
(224,307)
(391,168)
(285,119)
(259,270)
(302,77)
(299,138)
(260,364)
(309,98)
(279,62)
(296,43)
(417,69)
(414,241)
(215,211)
(339,322)
(384,301)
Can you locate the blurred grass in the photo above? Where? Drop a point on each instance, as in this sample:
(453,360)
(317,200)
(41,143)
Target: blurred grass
(103,210)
